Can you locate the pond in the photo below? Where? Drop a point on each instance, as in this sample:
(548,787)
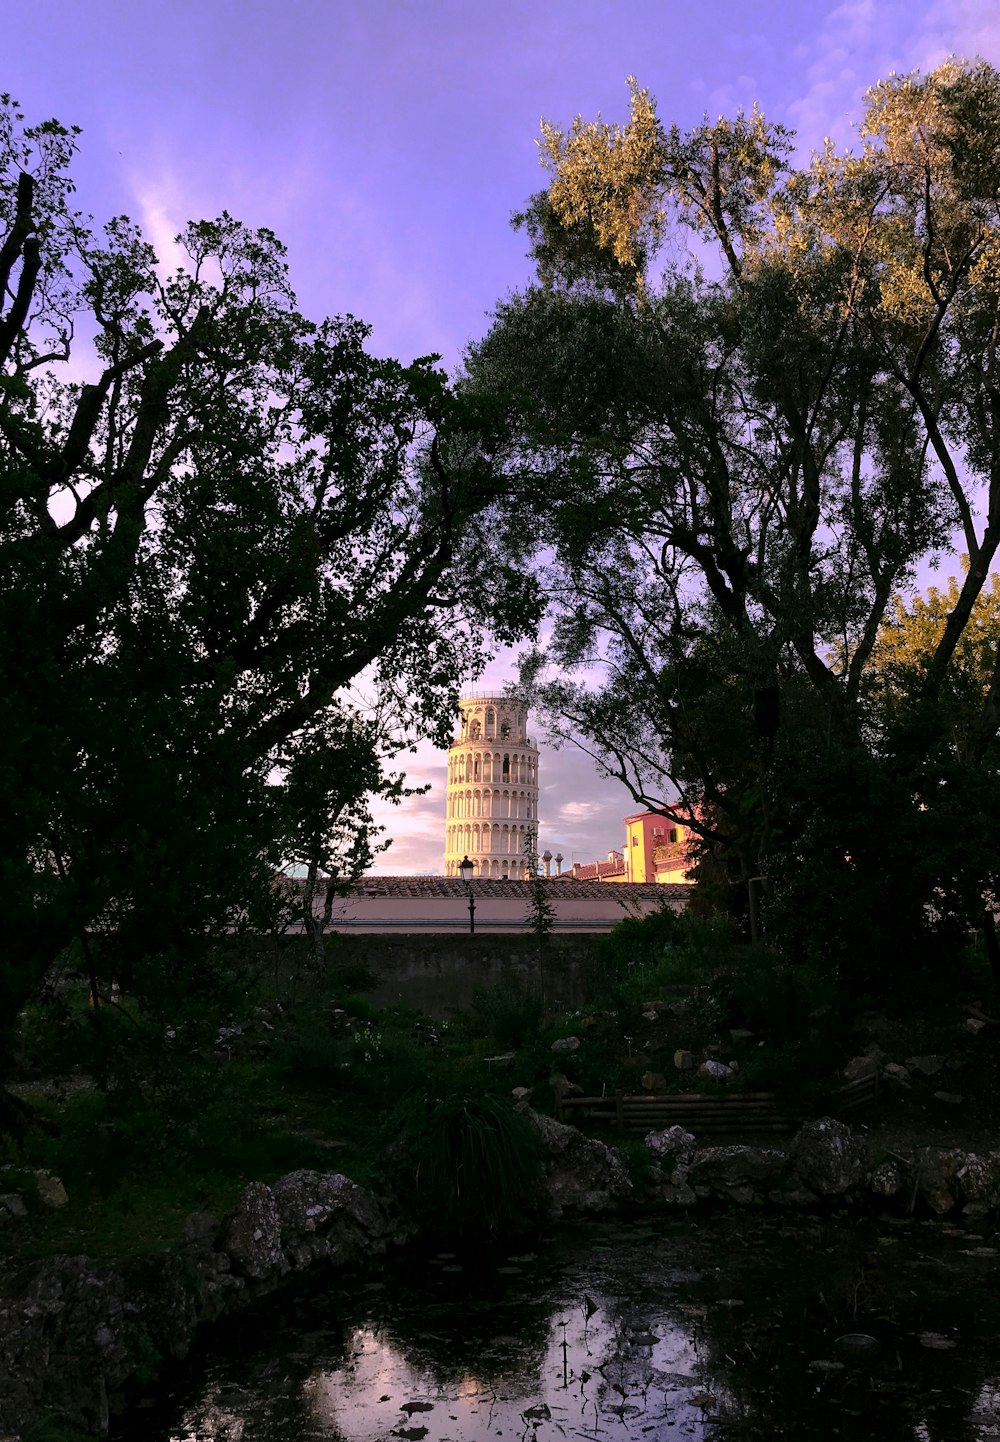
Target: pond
(730,1327)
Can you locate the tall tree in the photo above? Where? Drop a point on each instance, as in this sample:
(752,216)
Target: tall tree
(215,515)
(752,399)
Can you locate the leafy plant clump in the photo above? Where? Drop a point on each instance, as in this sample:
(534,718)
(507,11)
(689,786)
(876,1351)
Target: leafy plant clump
(464,1167)
(508,1014)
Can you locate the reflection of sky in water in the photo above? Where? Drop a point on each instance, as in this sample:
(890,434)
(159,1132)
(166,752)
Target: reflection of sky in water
(708,1333)
(596,1376)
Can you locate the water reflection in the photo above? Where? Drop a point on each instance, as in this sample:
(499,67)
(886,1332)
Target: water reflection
(730,1328)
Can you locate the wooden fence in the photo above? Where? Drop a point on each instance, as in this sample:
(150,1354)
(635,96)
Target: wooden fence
(741,1112)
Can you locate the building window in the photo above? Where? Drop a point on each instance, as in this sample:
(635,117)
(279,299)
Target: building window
(635,841)
(673,833)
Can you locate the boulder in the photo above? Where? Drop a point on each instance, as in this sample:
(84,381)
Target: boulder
(582,1174)
(741,1173)
(925,1065)
(683,1061)
(827,1159)
(51,1192)
(937,1170)
(252,1236)
(324,1214)
(886,1179)
(562,1087)
(653,1081)
(715,1069)
(978,1179)
(672,1142)
(566,1044)
(861,1066)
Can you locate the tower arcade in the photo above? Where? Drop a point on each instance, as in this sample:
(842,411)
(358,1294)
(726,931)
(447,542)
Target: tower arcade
(492,788)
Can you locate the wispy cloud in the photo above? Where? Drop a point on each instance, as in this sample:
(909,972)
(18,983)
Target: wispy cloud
(862,41)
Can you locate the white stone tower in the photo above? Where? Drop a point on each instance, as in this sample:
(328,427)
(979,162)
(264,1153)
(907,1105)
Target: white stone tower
(492,788)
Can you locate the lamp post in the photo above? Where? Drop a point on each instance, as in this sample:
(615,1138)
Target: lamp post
(465,869)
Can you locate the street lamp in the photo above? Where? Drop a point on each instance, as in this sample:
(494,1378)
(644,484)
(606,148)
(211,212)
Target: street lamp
(465,870)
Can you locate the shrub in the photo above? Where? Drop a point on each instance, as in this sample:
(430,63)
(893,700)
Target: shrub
(508,1014)
(464,1167)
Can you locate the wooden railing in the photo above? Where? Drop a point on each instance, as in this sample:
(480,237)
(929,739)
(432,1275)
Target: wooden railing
(700,1114)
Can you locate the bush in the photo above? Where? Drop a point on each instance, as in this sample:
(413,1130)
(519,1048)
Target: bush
(464,1167)
(511,1016)
(655,953)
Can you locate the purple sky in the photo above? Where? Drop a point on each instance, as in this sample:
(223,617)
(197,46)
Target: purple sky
(387,142)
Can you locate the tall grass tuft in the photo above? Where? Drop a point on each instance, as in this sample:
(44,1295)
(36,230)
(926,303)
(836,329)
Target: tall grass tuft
(464,1167)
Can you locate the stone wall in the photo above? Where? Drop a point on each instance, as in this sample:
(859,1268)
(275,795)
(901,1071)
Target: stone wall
(437,973)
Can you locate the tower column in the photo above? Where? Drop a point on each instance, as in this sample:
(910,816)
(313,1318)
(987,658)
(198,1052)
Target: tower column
(492,772)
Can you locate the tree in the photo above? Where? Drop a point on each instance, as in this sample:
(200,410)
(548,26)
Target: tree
(746,445)
(540,917)
(215,517)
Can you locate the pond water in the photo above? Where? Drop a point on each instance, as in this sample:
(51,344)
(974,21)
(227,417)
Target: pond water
(730,1327)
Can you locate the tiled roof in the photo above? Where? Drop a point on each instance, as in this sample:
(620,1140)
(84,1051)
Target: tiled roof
(452,886)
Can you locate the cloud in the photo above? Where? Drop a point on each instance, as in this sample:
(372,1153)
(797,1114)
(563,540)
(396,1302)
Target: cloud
(577,810)
(862,41)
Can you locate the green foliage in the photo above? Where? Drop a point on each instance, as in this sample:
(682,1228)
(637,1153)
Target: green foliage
(644,956)
(210,526)
(733,468)
(509,1014)
(465,1167)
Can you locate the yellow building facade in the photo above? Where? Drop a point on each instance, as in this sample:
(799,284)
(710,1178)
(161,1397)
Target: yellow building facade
(492,804)
(656,848)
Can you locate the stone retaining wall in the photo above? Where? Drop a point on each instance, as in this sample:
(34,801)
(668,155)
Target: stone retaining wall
(438,973)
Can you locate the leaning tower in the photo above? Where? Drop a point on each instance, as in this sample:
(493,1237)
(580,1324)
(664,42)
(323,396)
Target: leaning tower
(492,788)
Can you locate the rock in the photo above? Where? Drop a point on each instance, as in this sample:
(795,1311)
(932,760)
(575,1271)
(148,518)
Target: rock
(521,1096)
(671,1142)
(581,1174)
(324,1214)
(886,1179)
(741,1173)
(974,1025)
(683,1061)
(950,1099)
(566,1044)
(252,1236)
(860,1067)
(650,1015)
(976,1211)
(936,1173)
(12,1205)
(826,1157)
(653,1081)
(51,1192)
(897,1074)
(562,1087)
(201,1230)
(676,1192)
(978,1180)
(739,1033)
(925,1065)
(716,1069)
